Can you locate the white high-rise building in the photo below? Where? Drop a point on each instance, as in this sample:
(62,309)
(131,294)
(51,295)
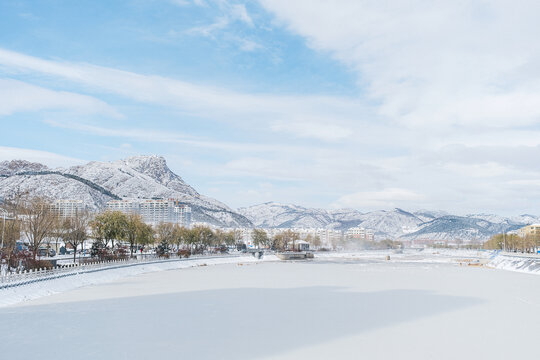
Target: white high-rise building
(125,206)
(67,208)
(154,211)
(359,233)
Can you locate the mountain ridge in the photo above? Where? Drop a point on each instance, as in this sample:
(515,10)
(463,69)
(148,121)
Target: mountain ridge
(394,224)
(146,176)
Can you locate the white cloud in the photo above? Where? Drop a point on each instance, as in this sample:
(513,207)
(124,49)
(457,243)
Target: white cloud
(44,157)
(386,198)
(448,115)
(239,12)
(204,101)
(248,45)
(230,13)
(314,130)
(208,30)
(188,2)
(18,96)
(431,63)
(175,137)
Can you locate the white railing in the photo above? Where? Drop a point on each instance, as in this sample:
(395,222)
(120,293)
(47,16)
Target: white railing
(31,276)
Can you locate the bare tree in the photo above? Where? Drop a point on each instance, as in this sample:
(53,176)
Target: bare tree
(59,232)
(11,224)
(38,222)
(77,230)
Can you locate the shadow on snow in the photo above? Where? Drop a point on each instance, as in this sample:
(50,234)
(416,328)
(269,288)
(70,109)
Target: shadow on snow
(242,323)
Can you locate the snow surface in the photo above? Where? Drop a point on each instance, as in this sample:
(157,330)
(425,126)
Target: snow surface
(520,263)
(39,289)
(340,306)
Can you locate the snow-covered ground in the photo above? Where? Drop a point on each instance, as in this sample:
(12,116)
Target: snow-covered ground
(521,263)
(341,307)
(36,290)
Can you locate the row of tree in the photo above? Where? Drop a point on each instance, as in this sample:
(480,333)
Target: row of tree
(36,221)
(40,225)
(514,243)
(111,226)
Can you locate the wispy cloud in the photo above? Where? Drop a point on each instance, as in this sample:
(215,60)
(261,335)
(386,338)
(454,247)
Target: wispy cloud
(389,197)
(175,137)
(208,30)
(18,96)
(44,157)
(204,101)
(221,29)
(431,64)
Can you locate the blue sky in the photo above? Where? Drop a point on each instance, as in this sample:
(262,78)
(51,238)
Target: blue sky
(370,105)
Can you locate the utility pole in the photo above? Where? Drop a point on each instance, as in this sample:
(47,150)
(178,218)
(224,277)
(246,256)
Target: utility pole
(4,212)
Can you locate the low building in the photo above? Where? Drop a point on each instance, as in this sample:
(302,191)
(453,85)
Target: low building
(299,245)
(529,231)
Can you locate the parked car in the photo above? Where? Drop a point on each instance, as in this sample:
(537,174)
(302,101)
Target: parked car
(46,252)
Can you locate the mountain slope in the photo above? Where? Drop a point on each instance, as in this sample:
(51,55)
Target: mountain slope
(386,223)
(275,215)
(453,227)
(394,224)
(98,182)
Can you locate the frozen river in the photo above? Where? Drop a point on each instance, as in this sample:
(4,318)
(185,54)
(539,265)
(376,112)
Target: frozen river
(322,309)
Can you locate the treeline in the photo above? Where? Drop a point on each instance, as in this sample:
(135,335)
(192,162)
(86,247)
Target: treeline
(113,231)
(33,224)
(514,243)
(35,220)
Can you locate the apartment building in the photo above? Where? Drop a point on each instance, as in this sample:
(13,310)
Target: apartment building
(67,208)
(529,231)
(154,211)
(360,233)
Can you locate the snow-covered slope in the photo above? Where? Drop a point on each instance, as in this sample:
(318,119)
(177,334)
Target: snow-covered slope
(387,223)
(98,182)
(16,166)
(391,224)
(275,215)
(396,223)
(453,227)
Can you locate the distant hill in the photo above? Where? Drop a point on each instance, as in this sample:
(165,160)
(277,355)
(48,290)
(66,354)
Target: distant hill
(394,224)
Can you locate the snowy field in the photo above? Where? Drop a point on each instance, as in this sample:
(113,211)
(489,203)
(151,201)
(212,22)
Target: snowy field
(349,306)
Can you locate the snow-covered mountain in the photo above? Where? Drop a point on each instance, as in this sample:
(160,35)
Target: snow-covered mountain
(394,224)
(274,215)
(98,182)
(149,177)
(386,223)
(451,227)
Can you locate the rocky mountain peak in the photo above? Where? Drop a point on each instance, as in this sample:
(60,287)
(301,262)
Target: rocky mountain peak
(151,165)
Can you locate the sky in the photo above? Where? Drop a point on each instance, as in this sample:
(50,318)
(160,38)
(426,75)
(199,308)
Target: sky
(363,104)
